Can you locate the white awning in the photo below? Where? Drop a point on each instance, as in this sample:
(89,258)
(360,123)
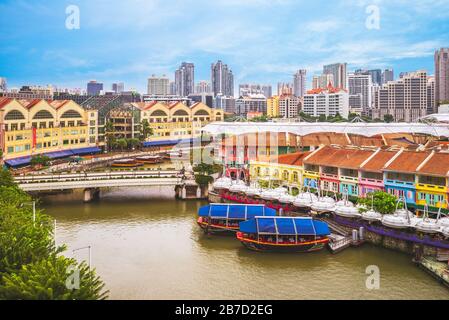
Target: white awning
(305,128)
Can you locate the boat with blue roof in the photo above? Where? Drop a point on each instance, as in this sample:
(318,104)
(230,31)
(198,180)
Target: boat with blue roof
(284,234)
(218,217)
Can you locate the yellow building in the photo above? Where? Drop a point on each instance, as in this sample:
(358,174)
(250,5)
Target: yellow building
(273,107)
(176,121)
(54,128)
(286,170)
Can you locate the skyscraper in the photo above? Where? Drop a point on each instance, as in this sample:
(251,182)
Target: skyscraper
(118,87)
(431,107)
(285,88)
(360,91)
(338,70)
(299,83)
(222,79)
(404,99)
(203,87)
(322,81)
(3,85)
(387,75)
(185,79)
(158,86)
(94,88)
(441,76)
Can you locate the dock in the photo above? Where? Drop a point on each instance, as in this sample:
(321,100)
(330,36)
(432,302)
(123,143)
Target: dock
(340,239)
(438,270)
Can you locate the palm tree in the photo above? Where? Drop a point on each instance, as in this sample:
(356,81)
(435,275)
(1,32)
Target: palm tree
(145,131)
(122,144)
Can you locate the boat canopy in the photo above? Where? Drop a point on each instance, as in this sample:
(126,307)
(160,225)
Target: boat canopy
(285,226)
(235,211)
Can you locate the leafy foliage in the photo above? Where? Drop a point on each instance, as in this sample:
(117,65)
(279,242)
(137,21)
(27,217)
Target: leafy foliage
(382,202)
(6,178)
(47,279)
(145,130)
(40,160)
(30,267)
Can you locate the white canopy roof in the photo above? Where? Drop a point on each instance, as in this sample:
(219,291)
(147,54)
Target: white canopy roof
(436,117)
(305,128)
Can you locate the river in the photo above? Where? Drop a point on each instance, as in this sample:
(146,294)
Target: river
(146,245)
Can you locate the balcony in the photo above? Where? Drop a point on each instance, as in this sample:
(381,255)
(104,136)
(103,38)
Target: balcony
(431,187)
(400,183)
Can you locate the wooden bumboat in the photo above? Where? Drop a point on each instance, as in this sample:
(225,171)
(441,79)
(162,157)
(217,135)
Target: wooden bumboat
(225,218)
(284,234)
(150,159)
(126,163)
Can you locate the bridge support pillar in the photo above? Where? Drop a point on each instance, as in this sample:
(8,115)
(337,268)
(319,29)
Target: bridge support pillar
(91,194)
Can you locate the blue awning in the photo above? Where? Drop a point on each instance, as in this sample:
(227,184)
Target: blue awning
(235,211)
(59,154)
(84,151)
(17,162)
(285,226)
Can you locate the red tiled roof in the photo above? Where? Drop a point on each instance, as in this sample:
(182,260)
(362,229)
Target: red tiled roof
(378,161)
(340,157)
(4,101)
(437,165)
(407,161)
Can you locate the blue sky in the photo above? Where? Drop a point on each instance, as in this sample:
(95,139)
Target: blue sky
(263,41)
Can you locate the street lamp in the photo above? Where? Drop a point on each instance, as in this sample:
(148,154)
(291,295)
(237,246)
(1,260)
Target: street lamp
(32,203)
(90,253)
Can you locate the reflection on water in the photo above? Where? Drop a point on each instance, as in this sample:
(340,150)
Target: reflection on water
(146,245)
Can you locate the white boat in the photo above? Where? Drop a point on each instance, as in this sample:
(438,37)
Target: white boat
(305,199)
(345,208)
(401,218)
(426,224)
(222,183)
(239,186)
(269,194)
(442,222)
(253,191)
(372,215)
(323,204)
(445,231)
(286,198)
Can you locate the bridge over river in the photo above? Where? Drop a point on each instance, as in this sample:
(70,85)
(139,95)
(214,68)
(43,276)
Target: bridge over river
(91,182)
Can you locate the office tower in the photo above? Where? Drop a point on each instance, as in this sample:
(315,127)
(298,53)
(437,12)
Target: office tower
(273,107)
(289,106)
(431,107)
(360,92)
(404,99)
(338,70)
(251,103)
(299,83)
(118,87)
(441,76)
(387,75)
(285,88)
(326,102)
(185,79)
(158,86)
(222,79)
(323,81)
(247,89)
(203,87)
(225,103)
(3,85)
(172,88)
(205,98)
(94,88)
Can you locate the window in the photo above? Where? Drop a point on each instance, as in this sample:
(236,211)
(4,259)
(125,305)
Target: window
(43,114)
(14,115)
(71,114)
(65,142)
(10,149)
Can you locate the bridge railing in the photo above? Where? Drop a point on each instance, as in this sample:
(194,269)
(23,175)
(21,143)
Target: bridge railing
(97,176)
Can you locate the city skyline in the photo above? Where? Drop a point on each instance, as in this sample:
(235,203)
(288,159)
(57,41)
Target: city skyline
(406,40)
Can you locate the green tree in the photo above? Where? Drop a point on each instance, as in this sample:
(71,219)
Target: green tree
(109,133)
(388,118)
(145,130)
(40,160)
(382,202)
(133,143)
(54,278)
(6,178)
(122,144)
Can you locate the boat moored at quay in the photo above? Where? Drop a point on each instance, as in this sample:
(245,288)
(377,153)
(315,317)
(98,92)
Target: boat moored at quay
(225,218)
(283,234)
